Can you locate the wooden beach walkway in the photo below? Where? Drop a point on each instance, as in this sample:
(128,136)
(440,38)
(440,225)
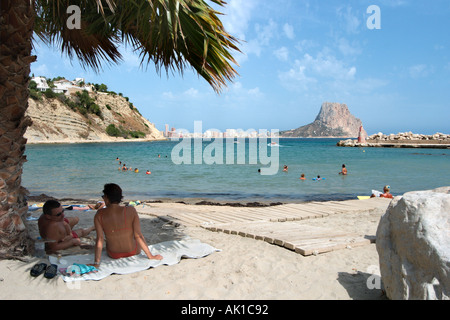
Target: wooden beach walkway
(277,225)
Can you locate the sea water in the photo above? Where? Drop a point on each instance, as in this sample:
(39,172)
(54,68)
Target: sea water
(81,170)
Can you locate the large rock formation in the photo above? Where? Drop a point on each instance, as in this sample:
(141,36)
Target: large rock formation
(413,243)
(55,121)
(333,121)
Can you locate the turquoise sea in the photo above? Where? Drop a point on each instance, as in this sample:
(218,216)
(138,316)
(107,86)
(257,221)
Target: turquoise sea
(80,171)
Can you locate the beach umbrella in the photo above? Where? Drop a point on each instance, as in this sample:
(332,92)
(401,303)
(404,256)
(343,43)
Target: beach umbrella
(171,34)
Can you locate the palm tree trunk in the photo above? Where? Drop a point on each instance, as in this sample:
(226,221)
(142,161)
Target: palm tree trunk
(16,27)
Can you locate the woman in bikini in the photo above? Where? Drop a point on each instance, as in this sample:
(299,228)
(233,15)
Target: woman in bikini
(121,227)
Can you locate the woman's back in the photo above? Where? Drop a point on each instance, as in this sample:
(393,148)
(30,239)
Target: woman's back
(117,223)
(121,227)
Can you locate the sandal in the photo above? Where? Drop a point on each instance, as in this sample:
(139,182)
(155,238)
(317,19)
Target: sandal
(51,271)
(38,269)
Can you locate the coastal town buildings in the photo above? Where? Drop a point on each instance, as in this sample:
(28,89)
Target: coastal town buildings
(174,133)
(64,86)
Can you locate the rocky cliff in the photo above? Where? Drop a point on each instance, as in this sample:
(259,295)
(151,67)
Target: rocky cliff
(333,121)
(60,121)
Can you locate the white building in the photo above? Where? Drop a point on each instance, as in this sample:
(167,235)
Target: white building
(41,83)
(62,86)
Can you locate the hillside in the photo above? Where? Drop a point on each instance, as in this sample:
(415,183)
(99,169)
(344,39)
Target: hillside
(333,121)
(86,118)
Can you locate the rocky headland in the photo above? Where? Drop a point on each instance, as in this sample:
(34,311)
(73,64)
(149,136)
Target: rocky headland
(98,117)
(401,140)
(333,121)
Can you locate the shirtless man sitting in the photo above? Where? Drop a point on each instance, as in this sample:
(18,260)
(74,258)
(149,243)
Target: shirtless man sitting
(57,229)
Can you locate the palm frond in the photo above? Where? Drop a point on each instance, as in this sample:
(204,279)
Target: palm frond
(172,34)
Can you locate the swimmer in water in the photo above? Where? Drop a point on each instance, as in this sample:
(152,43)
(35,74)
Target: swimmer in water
(344,170)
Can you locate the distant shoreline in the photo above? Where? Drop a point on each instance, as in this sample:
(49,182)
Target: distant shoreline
(188,201)
(91,141)
(151,140)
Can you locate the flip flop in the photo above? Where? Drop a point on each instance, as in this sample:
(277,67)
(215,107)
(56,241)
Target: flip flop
(51,271)
(38,269)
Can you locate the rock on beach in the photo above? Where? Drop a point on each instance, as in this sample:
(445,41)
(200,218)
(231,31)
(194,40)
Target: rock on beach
(413,243)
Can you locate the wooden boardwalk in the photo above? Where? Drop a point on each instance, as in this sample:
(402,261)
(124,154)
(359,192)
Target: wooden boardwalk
(277,225)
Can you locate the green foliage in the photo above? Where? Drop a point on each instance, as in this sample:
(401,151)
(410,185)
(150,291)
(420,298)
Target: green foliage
(113,131)
(86,104)
(35,94)
(101,87)
(32,85)
(49,94)
(137,134)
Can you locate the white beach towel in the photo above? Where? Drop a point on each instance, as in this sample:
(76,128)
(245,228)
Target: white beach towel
(172,252)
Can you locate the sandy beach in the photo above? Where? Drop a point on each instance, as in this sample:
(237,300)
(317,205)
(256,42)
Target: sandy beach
(244,269)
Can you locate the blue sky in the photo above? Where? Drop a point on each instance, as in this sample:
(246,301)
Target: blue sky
(298,54)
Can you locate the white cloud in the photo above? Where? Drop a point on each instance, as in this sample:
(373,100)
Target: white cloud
(347,48)
(265,34)
(237,16)
(168,95)
(282,53)
(349,20)
(328,66)
(193,93)
(130,59)
(289,31)
(306,45)
(419,71)
(254,92)
(318,74)
(40,70)
(296,78)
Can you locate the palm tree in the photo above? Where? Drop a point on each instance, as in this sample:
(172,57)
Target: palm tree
(172,34)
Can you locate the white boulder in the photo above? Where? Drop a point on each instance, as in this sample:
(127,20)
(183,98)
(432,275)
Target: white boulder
(413,244)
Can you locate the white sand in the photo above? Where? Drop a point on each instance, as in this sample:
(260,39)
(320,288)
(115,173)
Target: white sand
(245,269)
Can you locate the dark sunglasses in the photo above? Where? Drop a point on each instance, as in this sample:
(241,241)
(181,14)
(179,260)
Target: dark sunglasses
(59,214)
